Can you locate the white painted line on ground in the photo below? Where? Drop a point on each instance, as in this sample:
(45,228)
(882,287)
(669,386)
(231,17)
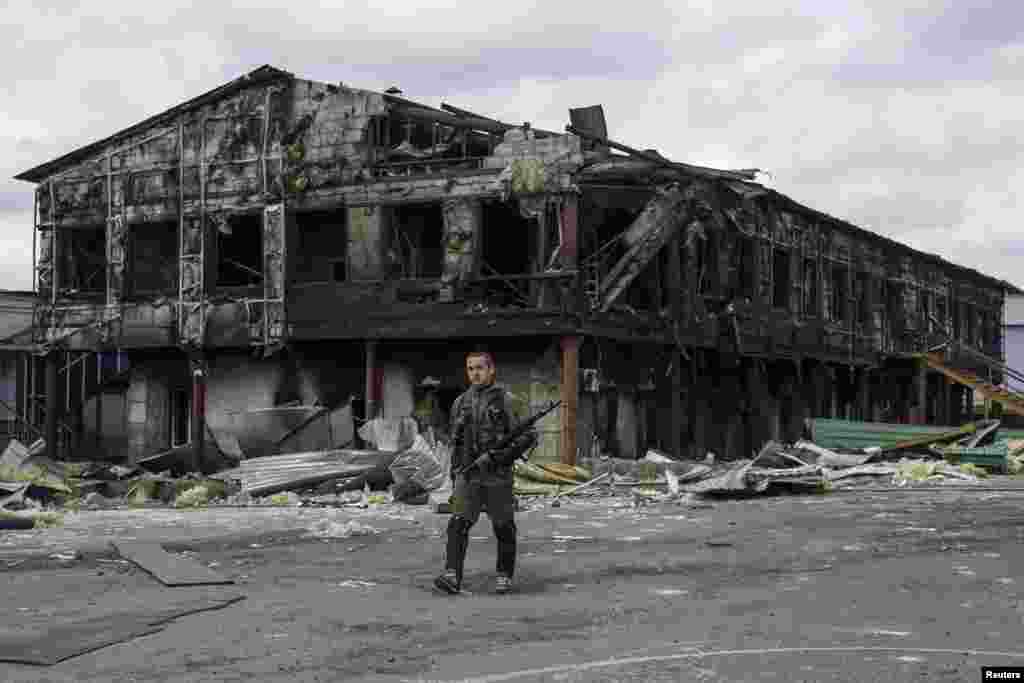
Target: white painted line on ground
(699,654)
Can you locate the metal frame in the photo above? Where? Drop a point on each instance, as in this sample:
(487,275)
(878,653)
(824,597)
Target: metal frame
(191,300)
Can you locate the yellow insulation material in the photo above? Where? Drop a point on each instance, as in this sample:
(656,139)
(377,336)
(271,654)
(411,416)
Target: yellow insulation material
(551,473)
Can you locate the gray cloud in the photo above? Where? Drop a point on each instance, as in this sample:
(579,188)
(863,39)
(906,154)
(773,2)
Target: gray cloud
(903,121)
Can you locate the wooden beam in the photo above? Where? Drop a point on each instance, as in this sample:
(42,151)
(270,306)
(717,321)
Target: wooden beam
(570,397)
(653,157)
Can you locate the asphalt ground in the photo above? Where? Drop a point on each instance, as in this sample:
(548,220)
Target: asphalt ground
(886,585)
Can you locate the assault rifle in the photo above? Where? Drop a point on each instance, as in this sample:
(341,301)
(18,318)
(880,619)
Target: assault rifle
(525,426)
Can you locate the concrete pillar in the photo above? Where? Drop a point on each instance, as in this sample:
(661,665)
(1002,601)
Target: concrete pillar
(570,397)
(53,406)
(625,425)
(374,381)
(397,398)
(462,221)
(198,413)
(368,227)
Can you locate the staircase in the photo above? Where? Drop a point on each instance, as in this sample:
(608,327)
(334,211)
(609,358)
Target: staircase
(1011,401)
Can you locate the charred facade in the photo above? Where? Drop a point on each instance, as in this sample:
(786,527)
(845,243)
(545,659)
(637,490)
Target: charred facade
(284,242)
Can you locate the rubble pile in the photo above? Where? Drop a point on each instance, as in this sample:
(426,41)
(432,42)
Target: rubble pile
(404,466)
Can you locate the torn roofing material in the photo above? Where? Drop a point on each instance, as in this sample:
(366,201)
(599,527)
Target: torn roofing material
(264,74)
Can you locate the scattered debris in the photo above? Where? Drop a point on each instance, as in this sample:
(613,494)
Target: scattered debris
(67,556)
(275,473)
(424,467)
(286,499)
(333,528)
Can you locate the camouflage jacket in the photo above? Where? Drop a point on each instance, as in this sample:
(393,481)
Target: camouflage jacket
(480,419)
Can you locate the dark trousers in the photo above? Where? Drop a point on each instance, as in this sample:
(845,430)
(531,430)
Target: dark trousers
(493,493)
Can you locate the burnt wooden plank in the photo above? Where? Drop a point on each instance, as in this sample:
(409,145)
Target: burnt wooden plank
(170,570)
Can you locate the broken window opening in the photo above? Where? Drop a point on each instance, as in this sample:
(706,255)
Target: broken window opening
(894,306)
(240,250)
(811,308)
(707,260)
(780,279)
(83,259)
(402,146)
(924,309)
(153,258)
(321,251)
(745,268)
(508,238)
(940,313)
(416,248)
(840,295)
(862,285)
(180,417)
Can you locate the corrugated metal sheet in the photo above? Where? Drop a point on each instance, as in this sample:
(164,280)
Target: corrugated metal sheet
(992,456)
(829,433)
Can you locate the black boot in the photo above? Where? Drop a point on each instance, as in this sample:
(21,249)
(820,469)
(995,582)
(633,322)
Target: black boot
(506,535)
(455,555)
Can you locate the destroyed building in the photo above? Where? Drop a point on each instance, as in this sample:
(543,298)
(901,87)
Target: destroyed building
(280,244)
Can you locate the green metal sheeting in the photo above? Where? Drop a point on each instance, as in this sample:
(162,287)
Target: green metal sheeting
(830,433)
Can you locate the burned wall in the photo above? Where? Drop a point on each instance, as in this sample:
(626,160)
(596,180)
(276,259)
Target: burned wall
(237,382)
(529,369)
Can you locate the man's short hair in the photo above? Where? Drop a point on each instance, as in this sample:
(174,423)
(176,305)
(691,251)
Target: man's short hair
(482,354)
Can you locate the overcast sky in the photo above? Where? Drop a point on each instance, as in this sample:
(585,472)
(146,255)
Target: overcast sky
(906,122)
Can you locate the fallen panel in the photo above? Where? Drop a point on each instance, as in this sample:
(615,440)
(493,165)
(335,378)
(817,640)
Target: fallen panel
(170,570)
(832,459)
(14,454)
(834,433)
(76,638)
(274,473)
(179,460)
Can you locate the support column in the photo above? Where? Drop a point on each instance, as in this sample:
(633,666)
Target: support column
(570,397)
(570,236)
(863,395)
(799,403)
(757,428)
(99,421)
(696,417)
(198,435)
(676,439)
(674,286)
(374,381)
(920,389)
(956,404)
(53,404)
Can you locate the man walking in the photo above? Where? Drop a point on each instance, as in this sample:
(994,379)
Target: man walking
(481,418)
